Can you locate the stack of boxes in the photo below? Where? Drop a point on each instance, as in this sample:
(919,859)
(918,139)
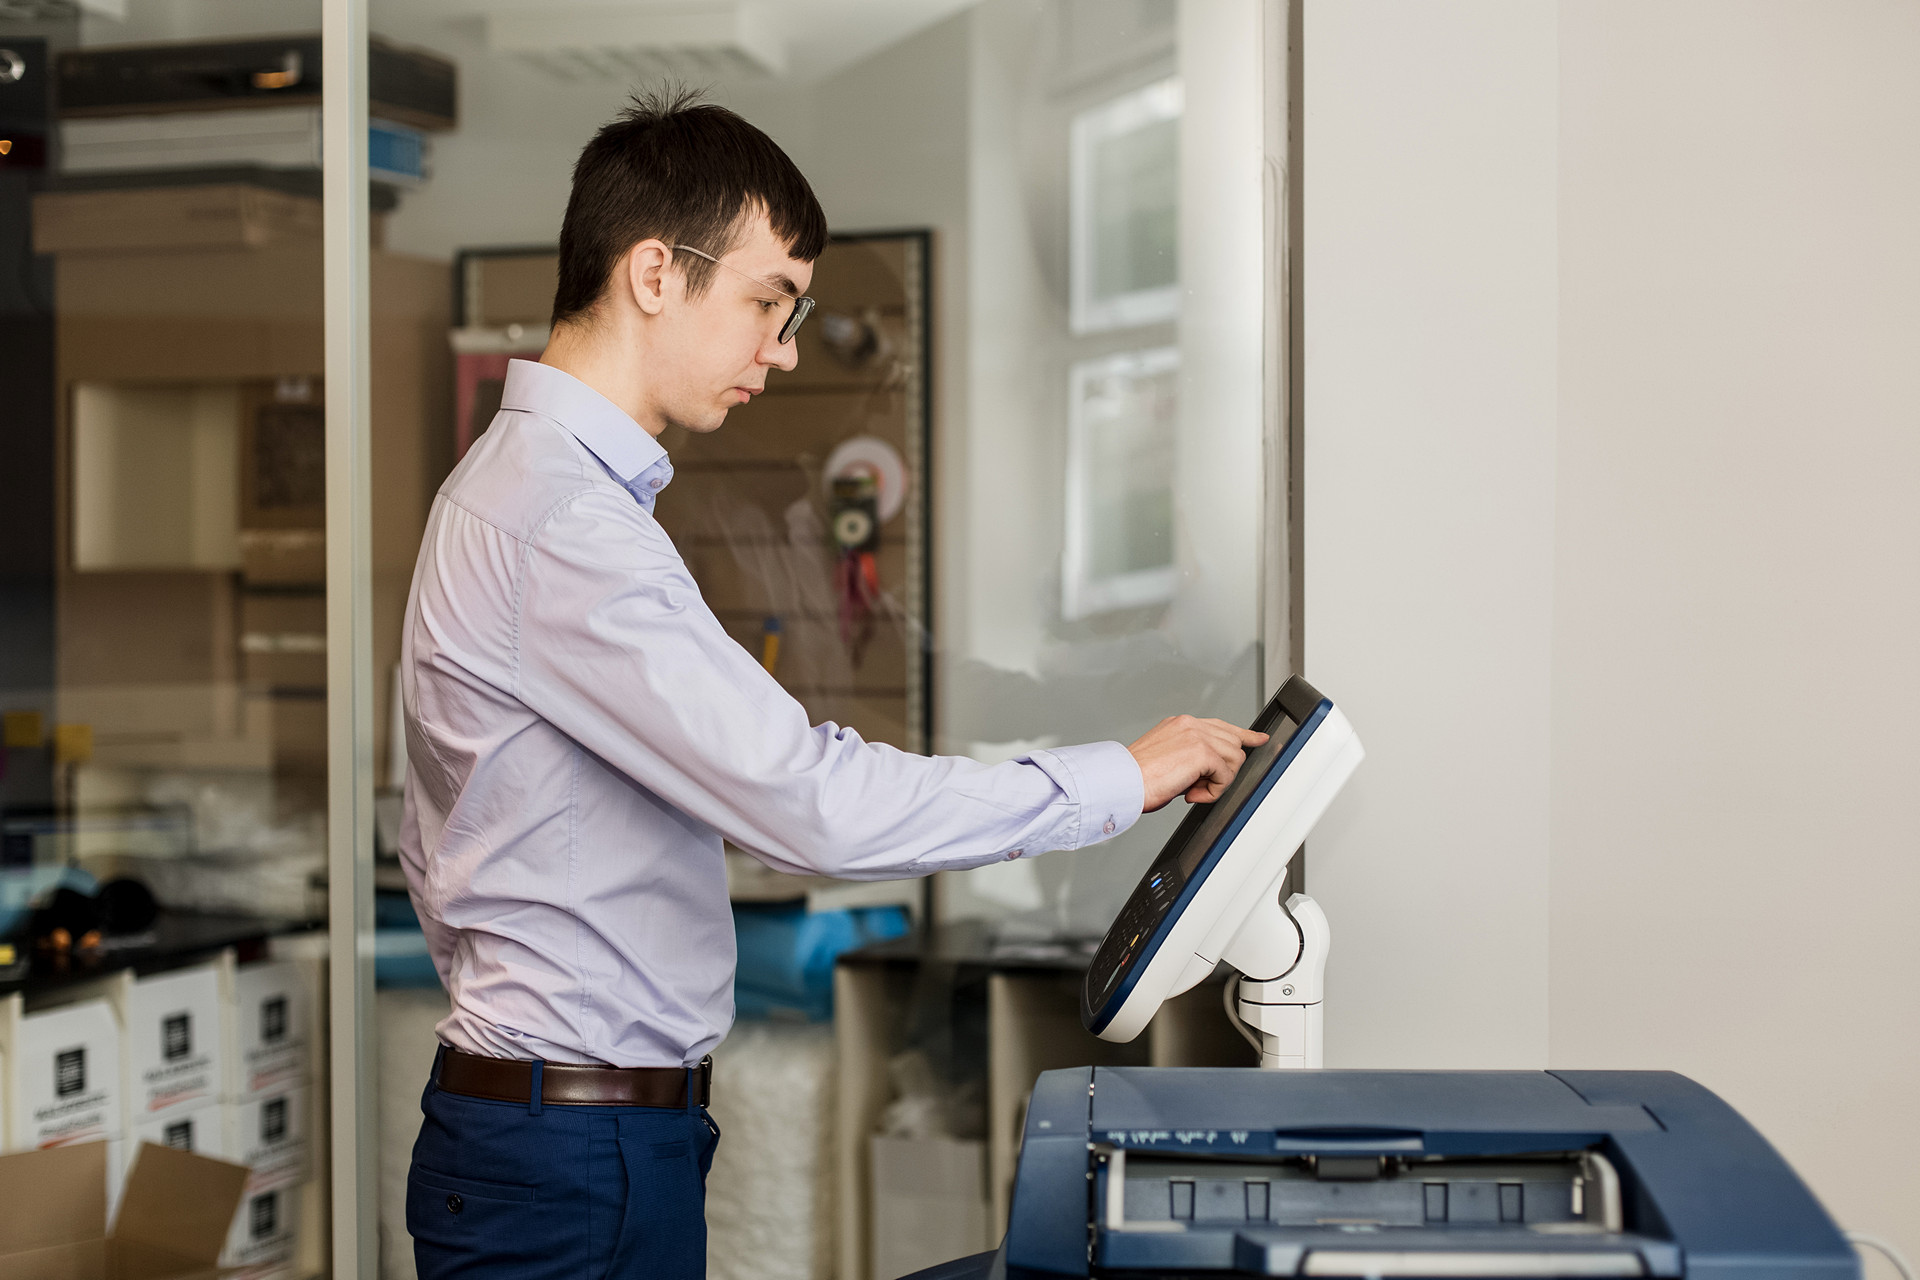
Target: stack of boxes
(268,1111)
(216,1059)
(61,1081)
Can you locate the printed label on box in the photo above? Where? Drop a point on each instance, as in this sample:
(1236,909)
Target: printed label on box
(201,1130)
(67,1082)
(270,1008)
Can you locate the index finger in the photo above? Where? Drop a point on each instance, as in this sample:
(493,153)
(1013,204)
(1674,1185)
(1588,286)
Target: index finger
(1241,737)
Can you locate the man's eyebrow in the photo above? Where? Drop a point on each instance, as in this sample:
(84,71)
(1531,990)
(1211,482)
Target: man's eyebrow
(783,283)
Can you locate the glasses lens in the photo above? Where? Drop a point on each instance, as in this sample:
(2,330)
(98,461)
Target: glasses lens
(802,308)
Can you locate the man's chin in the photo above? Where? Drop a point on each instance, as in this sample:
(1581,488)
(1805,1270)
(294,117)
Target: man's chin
(699,426)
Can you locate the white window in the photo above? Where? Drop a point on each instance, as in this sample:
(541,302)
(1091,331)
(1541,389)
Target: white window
(1121,413)
(1125,264)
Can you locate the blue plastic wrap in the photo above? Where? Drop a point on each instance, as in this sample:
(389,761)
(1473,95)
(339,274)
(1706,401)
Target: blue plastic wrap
(787,954)
(400,957)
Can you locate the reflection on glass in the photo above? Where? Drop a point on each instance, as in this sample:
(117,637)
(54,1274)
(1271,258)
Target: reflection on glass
(1126,210)
(1120,468)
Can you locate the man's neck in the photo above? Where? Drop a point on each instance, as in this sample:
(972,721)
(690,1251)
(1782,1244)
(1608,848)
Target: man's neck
(605,364)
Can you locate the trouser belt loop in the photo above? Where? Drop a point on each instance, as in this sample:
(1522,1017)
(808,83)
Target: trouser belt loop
(533,1095)
(699,1084)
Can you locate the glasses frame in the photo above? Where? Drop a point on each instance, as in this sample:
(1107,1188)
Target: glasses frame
(802,306)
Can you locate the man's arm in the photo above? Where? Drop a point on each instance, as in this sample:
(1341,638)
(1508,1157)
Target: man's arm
(617,650)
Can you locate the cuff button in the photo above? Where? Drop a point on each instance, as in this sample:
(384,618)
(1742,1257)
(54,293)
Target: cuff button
(1108,829)
(455,1204)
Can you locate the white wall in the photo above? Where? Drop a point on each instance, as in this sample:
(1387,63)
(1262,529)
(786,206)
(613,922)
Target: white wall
(1429,329)
(1737,571)
(1611,550)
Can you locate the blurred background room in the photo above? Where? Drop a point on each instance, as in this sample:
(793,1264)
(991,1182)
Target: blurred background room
(1164,348)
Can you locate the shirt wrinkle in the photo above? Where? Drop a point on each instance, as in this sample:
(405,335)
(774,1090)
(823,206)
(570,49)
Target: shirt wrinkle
(583,731)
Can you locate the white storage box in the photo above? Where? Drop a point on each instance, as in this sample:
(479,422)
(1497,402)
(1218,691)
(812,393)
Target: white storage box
(201,1130)
(61,1072)
(268,1134)
(270,1008)
(174,1028)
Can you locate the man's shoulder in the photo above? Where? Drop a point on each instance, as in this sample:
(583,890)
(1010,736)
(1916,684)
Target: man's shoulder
(524,470)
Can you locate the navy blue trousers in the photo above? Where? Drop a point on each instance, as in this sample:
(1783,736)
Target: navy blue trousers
(524,1190)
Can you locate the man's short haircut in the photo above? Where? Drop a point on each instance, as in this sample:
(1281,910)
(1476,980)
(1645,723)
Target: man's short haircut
(674,168)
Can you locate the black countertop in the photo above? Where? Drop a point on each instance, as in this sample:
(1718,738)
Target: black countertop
(177,939)
(977,944)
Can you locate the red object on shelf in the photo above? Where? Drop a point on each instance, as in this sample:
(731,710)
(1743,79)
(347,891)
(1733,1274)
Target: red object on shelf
(477,382)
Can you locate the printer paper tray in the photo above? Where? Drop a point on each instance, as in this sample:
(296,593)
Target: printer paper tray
(1442,1254)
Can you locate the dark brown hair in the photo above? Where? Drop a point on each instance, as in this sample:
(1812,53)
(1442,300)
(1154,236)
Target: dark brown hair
(678,169)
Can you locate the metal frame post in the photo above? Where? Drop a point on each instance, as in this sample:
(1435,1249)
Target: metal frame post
(350,727)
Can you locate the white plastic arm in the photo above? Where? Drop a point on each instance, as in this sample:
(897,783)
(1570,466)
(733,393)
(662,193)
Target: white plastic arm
(1286,1010)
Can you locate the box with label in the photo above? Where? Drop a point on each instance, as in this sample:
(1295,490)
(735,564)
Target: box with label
(270,1007)
(173,1218)
(174,1029)
(268,1134)
(265,1228)
(61,1074)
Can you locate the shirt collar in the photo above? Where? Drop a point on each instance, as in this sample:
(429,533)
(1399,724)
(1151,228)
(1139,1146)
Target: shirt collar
(623,446)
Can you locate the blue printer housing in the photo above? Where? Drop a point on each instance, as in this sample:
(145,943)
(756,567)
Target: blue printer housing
(1140,1171)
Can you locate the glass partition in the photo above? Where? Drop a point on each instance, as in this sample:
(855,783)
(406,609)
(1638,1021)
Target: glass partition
(1016,494)
(163,629)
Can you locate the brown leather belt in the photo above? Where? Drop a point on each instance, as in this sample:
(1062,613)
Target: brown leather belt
(564,1085)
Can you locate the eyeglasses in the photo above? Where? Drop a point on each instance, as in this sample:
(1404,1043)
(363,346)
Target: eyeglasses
(802,307)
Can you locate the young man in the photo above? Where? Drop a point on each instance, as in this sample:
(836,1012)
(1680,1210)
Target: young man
(581,735)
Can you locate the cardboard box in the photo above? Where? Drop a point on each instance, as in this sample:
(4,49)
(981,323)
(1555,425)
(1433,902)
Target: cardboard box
(929,1202)
(269,1016)
(264,1231)
(268,1134)
(172,1028)
(61,1074)
(174,1216)
(218,216)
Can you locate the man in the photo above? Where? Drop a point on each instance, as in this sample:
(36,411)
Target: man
(581,735)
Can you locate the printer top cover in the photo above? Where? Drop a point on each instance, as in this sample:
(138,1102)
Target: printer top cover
(1140,1171)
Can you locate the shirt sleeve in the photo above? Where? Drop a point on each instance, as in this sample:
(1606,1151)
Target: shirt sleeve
(616,649)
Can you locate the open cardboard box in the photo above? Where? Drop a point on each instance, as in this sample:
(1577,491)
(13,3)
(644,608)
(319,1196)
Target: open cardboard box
(173,1217)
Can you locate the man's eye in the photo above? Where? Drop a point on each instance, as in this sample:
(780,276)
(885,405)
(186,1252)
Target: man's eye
(766,304)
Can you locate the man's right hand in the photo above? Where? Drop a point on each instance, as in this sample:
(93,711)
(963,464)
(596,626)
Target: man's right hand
(1184,755)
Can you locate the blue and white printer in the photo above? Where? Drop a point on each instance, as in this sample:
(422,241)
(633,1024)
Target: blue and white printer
(1162,1172)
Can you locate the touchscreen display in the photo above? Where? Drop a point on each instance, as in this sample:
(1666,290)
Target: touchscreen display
(1185,854)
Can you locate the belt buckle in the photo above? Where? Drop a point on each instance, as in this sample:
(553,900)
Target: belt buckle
(706,1080)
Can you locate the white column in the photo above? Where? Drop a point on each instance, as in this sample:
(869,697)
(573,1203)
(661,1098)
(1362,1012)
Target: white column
(1218,488)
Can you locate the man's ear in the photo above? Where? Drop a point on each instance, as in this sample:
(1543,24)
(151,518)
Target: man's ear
(647,271)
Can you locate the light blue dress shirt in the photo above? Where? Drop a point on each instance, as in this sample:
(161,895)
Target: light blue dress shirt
(582,733)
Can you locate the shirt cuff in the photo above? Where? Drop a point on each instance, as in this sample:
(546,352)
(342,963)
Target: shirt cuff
(1104,780)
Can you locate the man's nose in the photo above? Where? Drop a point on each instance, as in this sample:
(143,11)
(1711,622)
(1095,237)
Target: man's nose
(776,354)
